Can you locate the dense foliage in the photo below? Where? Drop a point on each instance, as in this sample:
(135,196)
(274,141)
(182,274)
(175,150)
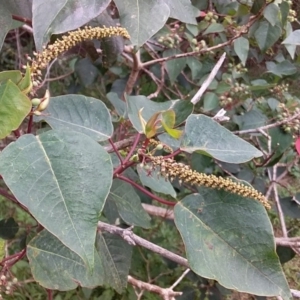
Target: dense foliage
(149,149)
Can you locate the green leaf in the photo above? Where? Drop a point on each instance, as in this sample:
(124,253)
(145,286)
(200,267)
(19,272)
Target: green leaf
(272,13)
(182,10)
(79,113)
(8,228)
(142,18)
(210,101)
(54,17)
(14,75)
(229,238)
(293,38)
(174,66)
(149,108)
(250,120)
(267,35)
(25,85)
(241,48)
(6,23)
(86,71)
(56,267)
(290,47)
(118,104)
(195,65)
(155,182)
(128,203)
(214,28)
(165,138)
(284,68)
(63,178)
(207,136)
(14,107)
(115,253)
(290,207)
(182,109)
(2,248)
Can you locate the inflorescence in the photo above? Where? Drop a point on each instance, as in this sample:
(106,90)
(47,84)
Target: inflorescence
(42,59)
(171,169)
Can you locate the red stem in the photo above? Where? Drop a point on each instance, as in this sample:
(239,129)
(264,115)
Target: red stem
(29,127)
(136,141)
(145,191)
(116,150)
(22,19)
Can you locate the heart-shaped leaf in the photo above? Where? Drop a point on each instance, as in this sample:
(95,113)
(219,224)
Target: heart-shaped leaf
(230,239)
(63,178)
(205,135)
(79,113)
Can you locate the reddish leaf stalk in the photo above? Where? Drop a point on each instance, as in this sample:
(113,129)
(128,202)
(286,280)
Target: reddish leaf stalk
(145,191)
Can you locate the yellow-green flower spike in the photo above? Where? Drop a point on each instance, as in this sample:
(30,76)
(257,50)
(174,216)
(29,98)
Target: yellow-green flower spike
(171,169)
(42,59)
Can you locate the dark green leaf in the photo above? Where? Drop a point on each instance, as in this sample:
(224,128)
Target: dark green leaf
(241,48)
(155,182)
(182,110)
(118,104)
(290,207)
(229,238)
(149,108)
(56,267)
(182,10)
(6,23)
(285,254)
(128,204)
(284,68)
(250,120)
(86,71)
(8,228)
(214,28)
(14,107)
(207,136)
(54,17)
(142,18)
(115,253)
(79,113)
(174,66)
(63,178)
(210,102)
(267,35)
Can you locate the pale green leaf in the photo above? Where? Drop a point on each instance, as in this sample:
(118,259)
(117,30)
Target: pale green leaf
(128,204)
(230,239)
(14,107)
(63,178)
(56,267)
(115,253)
(155,182)
(205,135)
(53,17)
(142,18)
(79,113)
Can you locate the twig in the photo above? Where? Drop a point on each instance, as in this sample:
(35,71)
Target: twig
(135,70)
(179,279)
(209,79)
(276,124)
(159,211)
(144,243)
(167,293)
(120,145)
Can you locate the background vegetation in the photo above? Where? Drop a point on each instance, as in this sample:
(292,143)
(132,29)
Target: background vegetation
(87,211)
